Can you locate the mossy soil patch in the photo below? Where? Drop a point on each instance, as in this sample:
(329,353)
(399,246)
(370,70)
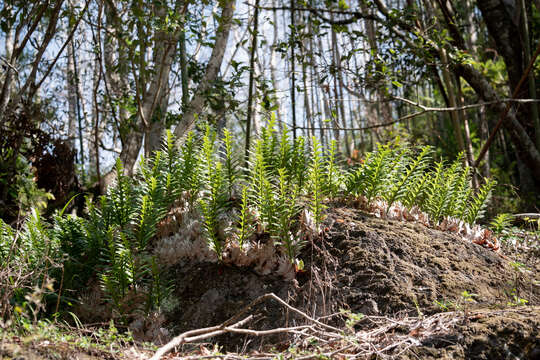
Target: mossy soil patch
(372,266)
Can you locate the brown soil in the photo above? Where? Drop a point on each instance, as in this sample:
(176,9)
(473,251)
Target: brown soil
(505,334)
(376,267)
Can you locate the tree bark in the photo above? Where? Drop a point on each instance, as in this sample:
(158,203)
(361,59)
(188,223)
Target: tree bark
(520,138)
(252,51)
(197,102)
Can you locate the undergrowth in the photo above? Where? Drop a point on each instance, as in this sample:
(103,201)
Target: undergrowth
(113,241)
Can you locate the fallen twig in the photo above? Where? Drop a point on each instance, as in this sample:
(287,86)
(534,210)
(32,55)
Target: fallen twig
(233,325)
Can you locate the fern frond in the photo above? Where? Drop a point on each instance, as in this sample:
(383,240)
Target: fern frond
(245,220)
(501,223)
(462,192)
(299,162)
(375,170)
(407,183)
(477,203)
(231,163)
(333,178)
(316,182)
(286,209)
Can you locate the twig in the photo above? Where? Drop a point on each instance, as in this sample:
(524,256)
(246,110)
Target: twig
(423,110)
(197,334)
(233,325)
(507,109)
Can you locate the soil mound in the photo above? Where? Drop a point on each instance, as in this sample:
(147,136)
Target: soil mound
(404,266)
(378,268)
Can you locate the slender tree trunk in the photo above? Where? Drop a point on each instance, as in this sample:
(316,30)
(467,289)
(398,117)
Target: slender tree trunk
(308,113)
(71,88)
(183,64)
(338,86)
(322,104)
(484,134)
(273,61)
(293,62)
(8,78)
(531,80)
(197,102)
(253,49)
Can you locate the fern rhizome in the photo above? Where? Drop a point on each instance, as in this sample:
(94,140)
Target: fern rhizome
(197,202)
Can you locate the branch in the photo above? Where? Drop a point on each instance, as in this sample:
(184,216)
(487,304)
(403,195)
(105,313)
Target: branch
(424,110)
(233,325)
(466,107)
(70,37)
(507,109)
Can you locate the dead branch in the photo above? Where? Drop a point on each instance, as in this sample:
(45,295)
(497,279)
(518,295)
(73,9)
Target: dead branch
(234,325)
(381,340)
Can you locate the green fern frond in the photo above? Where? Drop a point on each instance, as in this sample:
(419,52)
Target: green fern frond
(477,203)
(316,182)
(285,151)
(213,201)
(462,192)
(270,146)
(189,176)
(375,171)
(286,210)
(407,184)
(501,223)
(333,178)
(245,220)
(299,162)
(231,162)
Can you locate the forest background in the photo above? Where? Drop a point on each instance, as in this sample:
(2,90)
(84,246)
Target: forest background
(85,82)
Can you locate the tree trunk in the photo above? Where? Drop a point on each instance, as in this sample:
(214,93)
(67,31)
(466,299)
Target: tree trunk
(252,52)
(71,88)
(522,141)
(197,102)
(503,25)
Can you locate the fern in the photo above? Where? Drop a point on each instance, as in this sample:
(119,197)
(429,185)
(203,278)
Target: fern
(285,152)
(501,223)
(231,163)
(245,228)
(285,213)
(6,242)
(463,191)
(213,202)
(374,171)
(333,177)
(477,203)
(270,146)
(415,192)
(434,185)
(120,200)
(171,167)
(408,177)
(316,181)
(261,188)
(189,179)
(299,163)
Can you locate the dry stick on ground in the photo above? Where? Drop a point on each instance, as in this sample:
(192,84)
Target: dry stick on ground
(381,340)
(234,323)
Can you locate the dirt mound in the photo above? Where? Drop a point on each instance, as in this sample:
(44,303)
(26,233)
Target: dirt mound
(405,266)
(366,265)
(505,334)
